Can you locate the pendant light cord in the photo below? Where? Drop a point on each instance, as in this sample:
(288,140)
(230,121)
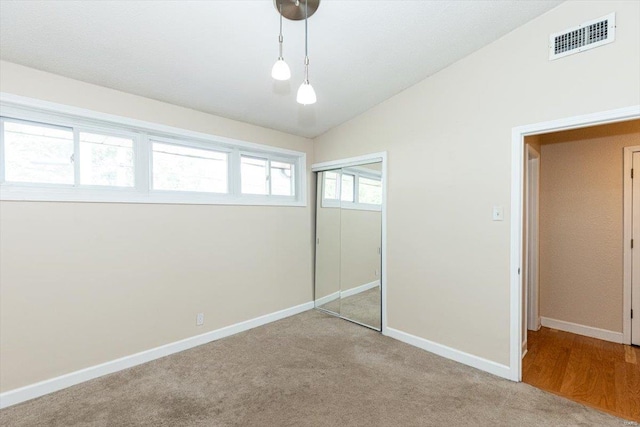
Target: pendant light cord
(280,37)
(306,37)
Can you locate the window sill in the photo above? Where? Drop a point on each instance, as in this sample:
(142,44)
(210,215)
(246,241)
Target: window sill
(111,195)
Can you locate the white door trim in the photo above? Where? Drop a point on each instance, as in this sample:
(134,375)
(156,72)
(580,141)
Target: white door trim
(532,298)
(628,235)
(517,219)
(531,313)
(363,160)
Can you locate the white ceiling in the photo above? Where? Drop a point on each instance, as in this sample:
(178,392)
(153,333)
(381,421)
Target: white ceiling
(216,56)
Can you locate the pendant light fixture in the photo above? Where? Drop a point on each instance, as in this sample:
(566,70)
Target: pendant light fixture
(280,70)
(306,94)
(296,10)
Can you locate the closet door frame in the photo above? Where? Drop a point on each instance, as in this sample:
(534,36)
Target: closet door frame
(363,160)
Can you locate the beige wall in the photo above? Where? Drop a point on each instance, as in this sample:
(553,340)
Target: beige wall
(448,140)
(581,229)
(85,283)
(140,273)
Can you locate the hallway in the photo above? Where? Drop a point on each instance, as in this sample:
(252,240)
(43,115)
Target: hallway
(597,373)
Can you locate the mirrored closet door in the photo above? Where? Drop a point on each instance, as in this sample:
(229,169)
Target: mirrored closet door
(348,243)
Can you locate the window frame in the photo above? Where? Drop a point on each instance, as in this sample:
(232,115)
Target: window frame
(108,132)
(269,158)
(186,144)
(17,108)
(75,152)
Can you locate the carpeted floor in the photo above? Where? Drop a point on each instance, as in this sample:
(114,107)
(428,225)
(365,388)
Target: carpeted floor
(312,369)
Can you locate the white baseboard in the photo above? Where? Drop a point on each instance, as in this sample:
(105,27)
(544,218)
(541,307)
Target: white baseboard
(451,353)
(327,299)
(358,289)
(32,391)
(587,331)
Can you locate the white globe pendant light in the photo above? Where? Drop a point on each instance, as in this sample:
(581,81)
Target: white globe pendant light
(294,10)
(280,70)
(306,94)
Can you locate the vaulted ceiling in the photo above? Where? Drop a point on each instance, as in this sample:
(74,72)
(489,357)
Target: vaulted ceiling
(216,56)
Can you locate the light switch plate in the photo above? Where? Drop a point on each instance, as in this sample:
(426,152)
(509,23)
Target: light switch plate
(498,213)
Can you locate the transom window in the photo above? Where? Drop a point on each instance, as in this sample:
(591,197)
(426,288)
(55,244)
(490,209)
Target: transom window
(180,168)
(37,153)
(50,156)
(265,176)
(106,160)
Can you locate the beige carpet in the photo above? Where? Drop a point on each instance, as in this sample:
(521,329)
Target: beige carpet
(312,369)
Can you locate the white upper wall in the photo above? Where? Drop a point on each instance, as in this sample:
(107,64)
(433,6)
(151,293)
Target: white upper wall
(448,140)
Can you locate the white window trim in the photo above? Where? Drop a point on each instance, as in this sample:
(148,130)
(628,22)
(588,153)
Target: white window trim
(103,131)
(197,145)
(269,158)
(48,113)
(355,205)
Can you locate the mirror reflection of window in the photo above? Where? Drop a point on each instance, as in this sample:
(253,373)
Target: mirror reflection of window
(370,191)
(330,185)
(347,188)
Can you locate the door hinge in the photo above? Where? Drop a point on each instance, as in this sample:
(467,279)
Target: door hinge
(631,243)
(518,271)
(631,173)
(632,313)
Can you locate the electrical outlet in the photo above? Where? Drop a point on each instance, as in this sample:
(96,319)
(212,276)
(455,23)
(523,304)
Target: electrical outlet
(200,319)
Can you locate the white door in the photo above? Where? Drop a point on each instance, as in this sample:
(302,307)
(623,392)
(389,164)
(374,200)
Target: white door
(635,254)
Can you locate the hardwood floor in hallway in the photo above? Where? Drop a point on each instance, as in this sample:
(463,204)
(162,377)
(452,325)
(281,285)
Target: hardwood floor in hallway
(597,373)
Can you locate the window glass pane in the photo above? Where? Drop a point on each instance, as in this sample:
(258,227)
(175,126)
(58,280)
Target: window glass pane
(106,160)
(282,179)
(330,180)
(347,187)
(36,153)
(254,175)
(370,191)
(181,168)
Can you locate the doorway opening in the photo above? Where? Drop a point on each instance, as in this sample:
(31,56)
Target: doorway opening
(580,210)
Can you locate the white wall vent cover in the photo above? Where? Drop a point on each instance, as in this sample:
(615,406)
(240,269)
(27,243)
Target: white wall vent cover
(583,37)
